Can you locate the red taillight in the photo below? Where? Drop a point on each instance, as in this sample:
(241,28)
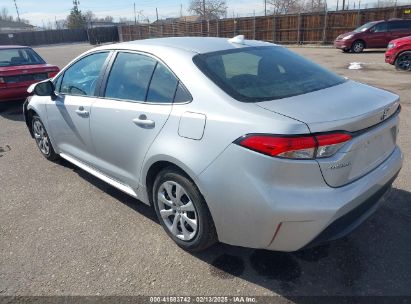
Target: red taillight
(297,147)
(52,74)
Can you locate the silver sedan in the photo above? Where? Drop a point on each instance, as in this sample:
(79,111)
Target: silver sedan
(230,140)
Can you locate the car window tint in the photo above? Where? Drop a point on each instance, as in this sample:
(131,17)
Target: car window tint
(20,56)
(162,86)
(81,77)
(181,94)
(57,83)
(236,63)
(130,76)
(380,27)
(400,25)
(280,73)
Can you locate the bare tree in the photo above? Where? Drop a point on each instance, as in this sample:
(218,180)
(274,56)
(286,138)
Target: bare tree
(286,6)
(4,14)
(314,5)
(214,9)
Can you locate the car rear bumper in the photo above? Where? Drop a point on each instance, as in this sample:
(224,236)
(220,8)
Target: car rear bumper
(274,204)
(13,94)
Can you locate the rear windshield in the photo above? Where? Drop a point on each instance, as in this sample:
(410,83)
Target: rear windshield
(253,74)
(23,56)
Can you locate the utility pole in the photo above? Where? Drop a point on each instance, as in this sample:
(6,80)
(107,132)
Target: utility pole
(17,10)
(265,7)
(157,13)
(135,16)
(181,10)
(343,5)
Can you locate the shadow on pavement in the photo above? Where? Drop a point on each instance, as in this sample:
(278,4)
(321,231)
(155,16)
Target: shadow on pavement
(374,260)
(12,110)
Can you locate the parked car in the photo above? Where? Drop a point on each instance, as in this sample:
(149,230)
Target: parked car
(399,53)
(225,138)
(376,34)
(21,66)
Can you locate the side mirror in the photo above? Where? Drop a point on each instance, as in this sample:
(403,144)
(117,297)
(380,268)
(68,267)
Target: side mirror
(45,88)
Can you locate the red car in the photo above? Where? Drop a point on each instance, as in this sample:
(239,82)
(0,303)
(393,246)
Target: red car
(399,53)
(376,34)
(21,66)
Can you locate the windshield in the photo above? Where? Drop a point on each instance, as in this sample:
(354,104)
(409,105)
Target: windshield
(364,27)
(20,56)
(253,74)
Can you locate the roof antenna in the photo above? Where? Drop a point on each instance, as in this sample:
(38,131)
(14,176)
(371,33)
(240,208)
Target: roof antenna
(237,39)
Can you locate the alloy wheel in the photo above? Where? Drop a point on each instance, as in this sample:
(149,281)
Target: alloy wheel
(358,47)
(41,137)
(404,62)
(177,210)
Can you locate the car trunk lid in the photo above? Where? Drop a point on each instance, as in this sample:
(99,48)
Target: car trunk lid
(14,76)
(367,113)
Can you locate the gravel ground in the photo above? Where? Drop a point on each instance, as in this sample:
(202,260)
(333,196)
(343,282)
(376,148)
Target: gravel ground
(63,232)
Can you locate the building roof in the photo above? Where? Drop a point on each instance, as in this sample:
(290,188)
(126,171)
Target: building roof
(14,24)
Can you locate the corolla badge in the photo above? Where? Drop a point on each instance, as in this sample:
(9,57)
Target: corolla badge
(339,166)
(384,114)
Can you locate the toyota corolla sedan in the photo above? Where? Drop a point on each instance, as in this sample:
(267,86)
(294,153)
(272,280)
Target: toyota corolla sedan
(21,66)
(238,141)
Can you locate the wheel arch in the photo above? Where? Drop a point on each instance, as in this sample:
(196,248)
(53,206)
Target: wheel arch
(28,117)
(154,167)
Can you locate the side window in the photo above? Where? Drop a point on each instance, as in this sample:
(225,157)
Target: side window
(81,78)
(380,27)
(163,85)
(181,95)
(400,25)
(57,83)
(130,76)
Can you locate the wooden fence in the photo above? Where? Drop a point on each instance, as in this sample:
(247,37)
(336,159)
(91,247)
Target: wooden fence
(321,27)
(32,38)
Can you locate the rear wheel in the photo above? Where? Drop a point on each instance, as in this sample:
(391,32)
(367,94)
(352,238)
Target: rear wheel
(403,62)
(42,139)
(358,46)
(182,211)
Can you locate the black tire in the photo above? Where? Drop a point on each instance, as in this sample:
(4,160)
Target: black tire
(205,235)
(346,50)
(357,46)
(403,62)
(48,152)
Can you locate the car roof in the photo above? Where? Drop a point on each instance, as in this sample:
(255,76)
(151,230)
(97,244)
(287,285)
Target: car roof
(199,45)
(13,47)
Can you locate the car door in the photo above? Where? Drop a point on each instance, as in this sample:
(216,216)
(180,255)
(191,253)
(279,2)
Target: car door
(69,113)
(134,106)
(399,28)
(378,36)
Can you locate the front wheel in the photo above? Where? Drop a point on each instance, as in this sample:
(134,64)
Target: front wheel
(358,46)
(182,211)
(403,62)
(42,139)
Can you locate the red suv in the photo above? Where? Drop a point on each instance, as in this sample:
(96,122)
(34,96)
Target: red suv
(20,67)
(399,53)
(376,34)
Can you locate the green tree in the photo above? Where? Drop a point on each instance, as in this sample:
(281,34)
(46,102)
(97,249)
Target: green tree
(76,19)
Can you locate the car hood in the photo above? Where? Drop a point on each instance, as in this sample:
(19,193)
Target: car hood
(346,34)
(28,69)
(402,40)
(350,106)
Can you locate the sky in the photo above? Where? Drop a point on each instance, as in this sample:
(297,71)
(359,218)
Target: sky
(40,12)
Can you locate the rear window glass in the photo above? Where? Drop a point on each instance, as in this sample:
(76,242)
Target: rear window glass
(255,74)
(13,57)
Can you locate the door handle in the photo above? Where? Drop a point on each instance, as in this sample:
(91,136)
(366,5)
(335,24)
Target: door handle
(143,122)
(82,112)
